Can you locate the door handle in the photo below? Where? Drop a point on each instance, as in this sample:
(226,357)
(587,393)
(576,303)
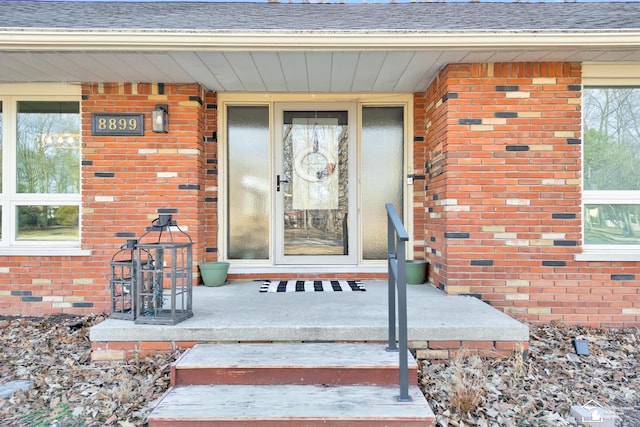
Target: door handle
(280,181)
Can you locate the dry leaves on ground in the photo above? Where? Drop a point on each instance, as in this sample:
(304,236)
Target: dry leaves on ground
(541,389)
(68,389)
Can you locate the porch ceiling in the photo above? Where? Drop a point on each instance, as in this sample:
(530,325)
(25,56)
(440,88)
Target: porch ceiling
(288,70)
(312,47)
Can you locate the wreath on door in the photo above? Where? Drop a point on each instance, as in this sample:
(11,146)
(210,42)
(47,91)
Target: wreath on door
(325,161)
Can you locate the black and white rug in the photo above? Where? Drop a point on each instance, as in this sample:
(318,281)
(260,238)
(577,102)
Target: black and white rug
(312,286)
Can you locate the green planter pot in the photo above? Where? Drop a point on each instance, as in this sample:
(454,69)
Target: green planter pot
(416,272)
(214,273)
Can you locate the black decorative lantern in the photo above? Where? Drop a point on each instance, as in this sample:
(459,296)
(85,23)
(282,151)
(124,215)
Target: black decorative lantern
(122,278)
(163,284)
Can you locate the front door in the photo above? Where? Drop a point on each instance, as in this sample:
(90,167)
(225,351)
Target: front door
(315,186)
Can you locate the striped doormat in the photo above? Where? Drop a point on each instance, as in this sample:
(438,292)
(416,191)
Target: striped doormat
(312,286)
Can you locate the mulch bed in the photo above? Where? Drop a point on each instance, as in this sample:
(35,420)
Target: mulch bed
(541,389)
(70,390)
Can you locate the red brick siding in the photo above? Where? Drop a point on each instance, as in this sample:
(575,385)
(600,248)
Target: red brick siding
(430,142)
(148,172)
(434,351)
(510,139)
(209,214)
(494,159)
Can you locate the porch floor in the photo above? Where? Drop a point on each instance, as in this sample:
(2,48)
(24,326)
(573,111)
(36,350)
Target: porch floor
(238,312)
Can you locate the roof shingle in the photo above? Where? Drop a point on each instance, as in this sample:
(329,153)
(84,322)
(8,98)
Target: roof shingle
(331,17)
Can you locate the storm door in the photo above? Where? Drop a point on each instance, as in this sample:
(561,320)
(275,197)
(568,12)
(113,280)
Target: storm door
(315,186)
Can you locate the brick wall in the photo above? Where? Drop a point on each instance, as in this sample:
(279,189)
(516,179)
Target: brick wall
(434,351)
(126,182)
(497,206)
(504,205)
(209,214)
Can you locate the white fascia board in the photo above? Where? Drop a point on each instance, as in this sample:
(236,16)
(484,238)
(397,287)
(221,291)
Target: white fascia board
(300,40)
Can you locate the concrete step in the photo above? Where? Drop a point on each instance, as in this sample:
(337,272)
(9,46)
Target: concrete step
(290,363)
(290,405)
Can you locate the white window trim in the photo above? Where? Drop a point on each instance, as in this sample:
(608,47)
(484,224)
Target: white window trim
(44,251)
(10,94)
(603,74)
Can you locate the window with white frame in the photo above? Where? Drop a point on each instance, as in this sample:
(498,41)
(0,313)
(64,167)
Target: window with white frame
(40,158)
(611,168)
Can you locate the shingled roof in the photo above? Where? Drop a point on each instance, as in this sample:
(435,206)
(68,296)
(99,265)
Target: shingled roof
(312,17)
(301,47)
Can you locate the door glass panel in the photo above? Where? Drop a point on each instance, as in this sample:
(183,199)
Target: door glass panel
(314,183)
(382,175)
(249,182)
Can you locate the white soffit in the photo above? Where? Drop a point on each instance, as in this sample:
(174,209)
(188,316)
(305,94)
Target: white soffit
(288,62)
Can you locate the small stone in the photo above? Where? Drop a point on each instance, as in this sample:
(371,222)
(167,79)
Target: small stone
(8,388)
(573,358)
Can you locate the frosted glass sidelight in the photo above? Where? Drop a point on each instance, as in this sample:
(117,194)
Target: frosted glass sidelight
(249,182)
(381,175)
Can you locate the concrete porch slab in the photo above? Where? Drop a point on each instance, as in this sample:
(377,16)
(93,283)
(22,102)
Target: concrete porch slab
(238,312)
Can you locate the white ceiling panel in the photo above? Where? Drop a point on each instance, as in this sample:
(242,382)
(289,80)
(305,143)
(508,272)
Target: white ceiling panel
(319,71)
(532,56)
(95,70)
(169,67)
(394,65)
(112,68)
(557,56)
(475,57)
(451,57)
(392,70)
(270,71)
(369,65)
(632,57)
(26,65)
(221,69)
(505,56)
(9,71)
(417,70)
(197,69)
(343,68)
(122,63)
(586,55)
(426,80)
(62,67)
(244,69)
(294,68)
(143,64)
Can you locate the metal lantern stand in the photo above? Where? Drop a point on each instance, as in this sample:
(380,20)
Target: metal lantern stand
(163,285)
(122,282)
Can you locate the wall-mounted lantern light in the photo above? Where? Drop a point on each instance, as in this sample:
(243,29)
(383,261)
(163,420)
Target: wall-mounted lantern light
(160,118)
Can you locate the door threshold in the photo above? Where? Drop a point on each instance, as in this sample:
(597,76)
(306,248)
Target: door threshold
(313,270)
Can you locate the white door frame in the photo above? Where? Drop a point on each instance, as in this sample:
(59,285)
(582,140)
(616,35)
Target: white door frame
(280,258)
(225,99)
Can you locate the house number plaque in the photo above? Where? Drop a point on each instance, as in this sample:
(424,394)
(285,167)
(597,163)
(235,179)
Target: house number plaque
(115,124)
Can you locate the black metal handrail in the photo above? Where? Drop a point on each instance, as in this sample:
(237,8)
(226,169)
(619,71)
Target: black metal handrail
(397,238)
